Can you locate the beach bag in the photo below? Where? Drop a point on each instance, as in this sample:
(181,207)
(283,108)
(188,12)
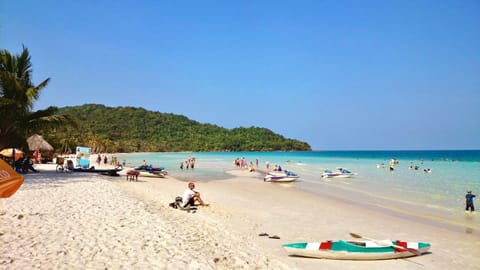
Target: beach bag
(177,203)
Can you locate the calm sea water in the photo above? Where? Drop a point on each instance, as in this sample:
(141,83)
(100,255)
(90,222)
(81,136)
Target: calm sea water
(438,194)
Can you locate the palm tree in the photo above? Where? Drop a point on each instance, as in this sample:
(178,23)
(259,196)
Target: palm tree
(17,97)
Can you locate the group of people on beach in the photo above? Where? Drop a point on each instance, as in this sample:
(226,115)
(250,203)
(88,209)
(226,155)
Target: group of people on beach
(276,167)
(113,160)
(36,157)
(189,163)
(24,165)
(241,163)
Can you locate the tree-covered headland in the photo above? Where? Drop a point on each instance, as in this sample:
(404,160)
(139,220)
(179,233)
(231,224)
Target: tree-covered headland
(129,129)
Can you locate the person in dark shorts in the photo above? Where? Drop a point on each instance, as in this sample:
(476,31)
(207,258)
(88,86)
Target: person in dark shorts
(469,201)
(190,196)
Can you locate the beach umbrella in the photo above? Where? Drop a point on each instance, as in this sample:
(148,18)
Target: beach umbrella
(10,181)
(37,143)
(8,152)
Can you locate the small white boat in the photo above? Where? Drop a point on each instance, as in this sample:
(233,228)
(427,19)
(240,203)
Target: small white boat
(337,173)
(281,176)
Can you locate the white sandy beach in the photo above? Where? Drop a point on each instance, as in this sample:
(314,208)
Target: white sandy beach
(90,221)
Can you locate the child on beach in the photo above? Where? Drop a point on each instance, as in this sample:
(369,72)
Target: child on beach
(469,201)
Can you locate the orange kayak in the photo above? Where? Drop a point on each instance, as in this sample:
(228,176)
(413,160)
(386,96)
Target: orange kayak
(10,181)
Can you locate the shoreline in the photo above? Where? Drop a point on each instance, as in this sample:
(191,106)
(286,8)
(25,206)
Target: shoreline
(84,220)
(393,208)
(400,210)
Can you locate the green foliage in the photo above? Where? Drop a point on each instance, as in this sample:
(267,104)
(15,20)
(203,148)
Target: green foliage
(17,97)
(129,129)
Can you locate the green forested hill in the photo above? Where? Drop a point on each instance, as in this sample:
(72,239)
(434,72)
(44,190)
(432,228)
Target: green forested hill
(129,129)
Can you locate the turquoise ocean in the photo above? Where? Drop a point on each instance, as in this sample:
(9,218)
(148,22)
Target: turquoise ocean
(435,198)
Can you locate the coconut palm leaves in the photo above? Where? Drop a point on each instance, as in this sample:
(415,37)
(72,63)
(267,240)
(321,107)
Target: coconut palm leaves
(17,97)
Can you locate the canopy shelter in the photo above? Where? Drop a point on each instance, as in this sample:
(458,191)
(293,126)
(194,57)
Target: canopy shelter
(38,143)
(10,181)
(8,152)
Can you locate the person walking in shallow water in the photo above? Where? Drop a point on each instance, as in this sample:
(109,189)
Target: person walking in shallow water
(469,201)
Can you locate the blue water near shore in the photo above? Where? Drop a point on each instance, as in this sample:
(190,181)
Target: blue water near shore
(438,194)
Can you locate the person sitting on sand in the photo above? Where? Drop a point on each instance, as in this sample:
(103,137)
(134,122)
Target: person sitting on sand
(70,165)
(250,167)
(27,165)
(18,165)
(190,196)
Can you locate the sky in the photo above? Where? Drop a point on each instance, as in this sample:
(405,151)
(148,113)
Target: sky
(340,75)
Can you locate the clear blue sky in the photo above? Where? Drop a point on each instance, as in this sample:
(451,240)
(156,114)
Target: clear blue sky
(341,75)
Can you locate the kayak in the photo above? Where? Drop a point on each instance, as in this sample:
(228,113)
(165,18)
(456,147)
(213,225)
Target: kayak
(357,250)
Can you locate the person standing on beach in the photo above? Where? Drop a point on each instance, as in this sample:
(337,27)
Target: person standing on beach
(192,162)
(469,201)
(190,196)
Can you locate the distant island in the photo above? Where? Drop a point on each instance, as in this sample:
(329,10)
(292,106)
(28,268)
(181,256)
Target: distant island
(130,129)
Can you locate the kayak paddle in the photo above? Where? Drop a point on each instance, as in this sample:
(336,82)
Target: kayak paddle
(411,250)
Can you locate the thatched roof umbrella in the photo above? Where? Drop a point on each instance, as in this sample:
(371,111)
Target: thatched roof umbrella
(37,143)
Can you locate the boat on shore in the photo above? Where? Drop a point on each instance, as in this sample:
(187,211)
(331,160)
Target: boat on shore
(150,171)
(110,172)
(357,250)
(337,173)
(281,176)
(151,174)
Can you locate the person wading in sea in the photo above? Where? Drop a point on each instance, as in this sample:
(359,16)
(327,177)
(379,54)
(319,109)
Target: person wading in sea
(469,201)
